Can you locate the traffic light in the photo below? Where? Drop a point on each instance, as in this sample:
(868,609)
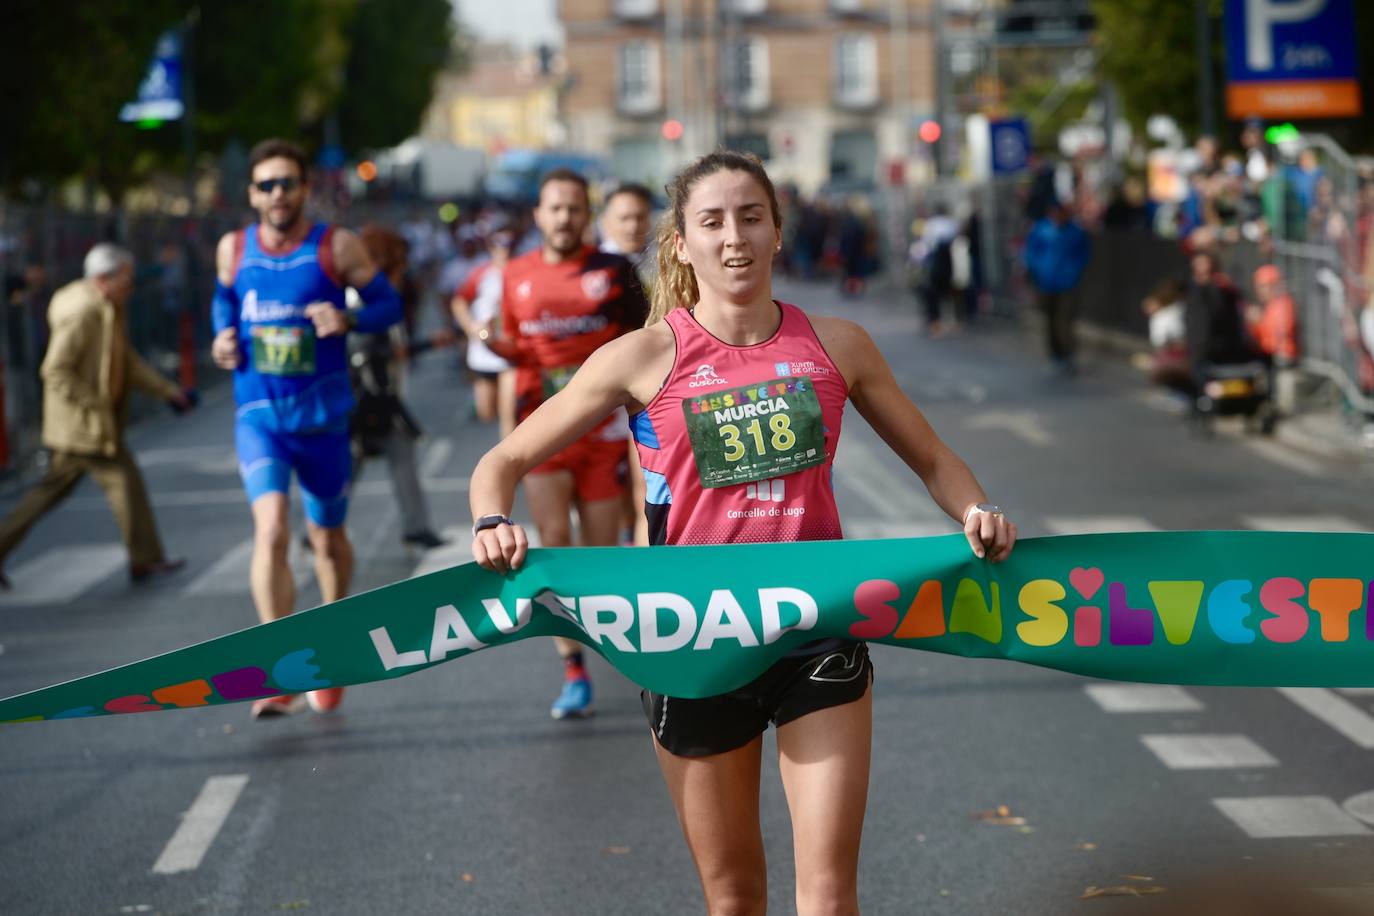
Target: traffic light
(672,130)
(929,131)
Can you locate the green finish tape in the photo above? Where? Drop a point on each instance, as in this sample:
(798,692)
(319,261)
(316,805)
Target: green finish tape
(1247,608)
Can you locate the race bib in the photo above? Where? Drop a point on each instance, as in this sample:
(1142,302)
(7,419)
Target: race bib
(755,432)
(556,379)
(279,350)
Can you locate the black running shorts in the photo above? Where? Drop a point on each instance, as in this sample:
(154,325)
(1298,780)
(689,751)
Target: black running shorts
(790,689)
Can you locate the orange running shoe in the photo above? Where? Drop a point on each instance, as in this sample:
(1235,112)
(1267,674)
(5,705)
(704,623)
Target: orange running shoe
(326,699)
(269,707)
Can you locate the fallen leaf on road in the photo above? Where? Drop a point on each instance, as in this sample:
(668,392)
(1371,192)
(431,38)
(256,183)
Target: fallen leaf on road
(467,878)
(1137,877)
(618,850)
(1088,846)
(294,905)
(1001,816)
(1121,890)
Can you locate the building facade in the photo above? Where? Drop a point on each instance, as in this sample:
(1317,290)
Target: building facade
(827,92)
(507,99)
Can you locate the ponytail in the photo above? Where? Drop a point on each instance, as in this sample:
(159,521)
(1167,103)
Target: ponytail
(676,283)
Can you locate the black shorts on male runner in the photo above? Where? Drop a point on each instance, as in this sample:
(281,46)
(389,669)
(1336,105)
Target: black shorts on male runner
(790,689)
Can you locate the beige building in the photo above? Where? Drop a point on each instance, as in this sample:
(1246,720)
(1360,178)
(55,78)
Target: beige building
(827,91)
(502,102)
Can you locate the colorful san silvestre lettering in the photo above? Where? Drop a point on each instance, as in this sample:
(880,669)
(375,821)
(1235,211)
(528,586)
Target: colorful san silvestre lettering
(1241,608)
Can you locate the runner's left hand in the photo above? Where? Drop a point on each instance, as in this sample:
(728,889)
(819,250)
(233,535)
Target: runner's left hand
(990,535)
(330,320)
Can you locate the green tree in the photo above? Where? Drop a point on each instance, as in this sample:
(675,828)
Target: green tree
(266,73)
(396,48)
(64,73)
(1148,48)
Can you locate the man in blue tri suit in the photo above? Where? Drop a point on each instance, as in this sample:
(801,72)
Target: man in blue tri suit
(280,325)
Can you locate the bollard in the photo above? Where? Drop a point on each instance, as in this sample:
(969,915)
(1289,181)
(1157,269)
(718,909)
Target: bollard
(186,374)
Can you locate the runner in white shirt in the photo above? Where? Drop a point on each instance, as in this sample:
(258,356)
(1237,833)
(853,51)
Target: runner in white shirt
(475,305)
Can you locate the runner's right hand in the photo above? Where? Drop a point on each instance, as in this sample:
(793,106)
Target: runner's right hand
(225,349)
(500,549)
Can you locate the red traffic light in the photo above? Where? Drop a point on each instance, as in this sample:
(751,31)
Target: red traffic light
(672,129)
(929,131)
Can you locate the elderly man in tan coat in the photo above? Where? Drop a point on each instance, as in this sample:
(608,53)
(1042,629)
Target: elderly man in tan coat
(87,373)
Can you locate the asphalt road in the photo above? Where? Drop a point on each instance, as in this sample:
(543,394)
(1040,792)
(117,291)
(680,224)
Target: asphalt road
(452,791)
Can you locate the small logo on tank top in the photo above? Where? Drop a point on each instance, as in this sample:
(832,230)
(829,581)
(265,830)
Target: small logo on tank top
(800,367)
(705,376)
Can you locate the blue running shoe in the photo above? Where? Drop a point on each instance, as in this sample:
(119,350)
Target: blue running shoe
(575,702)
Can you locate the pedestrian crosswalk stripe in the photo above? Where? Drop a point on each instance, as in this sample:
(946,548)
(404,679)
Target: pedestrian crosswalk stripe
(1273,816)
(1142,698)
(865,529)
(892,495)
(62,574)
(436,456)
(230,574)
(1335,523)
(1336,711)
(200,825)
(1207,752)
(1097,524)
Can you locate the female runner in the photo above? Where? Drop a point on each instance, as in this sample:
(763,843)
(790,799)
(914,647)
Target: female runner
(715,330)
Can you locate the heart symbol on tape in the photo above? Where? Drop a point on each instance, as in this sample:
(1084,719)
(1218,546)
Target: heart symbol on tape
(1087,581)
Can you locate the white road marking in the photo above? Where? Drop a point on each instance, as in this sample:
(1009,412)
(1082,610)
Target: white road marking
(1267,817)
(57,576)
(1098,524)
(1360,806)
(1357,691)
(1142,698)
(1319,523)
(230,573)
(200,825)
(864,529)
(1285,456)
(1336,711)
(1207,752)
(234,495)
(436,456)
(1023,424)
(900,497)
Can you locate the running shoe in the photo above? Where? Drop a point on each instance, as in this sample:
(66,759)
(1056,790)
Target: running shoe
(271,707)
(326,699)
(575,702)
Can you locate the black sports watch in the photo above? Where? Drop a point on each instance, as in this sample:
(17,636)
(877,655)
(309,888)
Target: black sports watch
(489,521)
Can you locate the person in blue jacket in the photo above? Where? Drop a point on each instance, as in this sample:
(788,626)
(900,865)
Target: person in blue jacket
(1057,252)
(281,325)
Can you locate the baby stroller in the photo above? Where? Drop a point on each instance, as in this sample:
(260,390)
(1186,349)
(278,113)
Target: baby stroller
(1236,389)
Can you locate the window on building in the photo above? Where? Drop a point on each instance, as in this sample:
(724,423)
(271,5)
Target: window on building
(856,70)
(637,78)
(745,7)
(634,9)
(846,6)
(746,73)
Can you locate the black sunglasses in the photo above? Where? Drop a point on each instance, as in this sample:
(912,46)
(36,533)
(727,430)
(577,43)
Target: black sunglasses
(268,185)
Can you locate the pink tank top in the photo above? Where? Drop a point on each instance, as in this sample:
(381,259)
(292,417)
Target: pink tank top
(737,446)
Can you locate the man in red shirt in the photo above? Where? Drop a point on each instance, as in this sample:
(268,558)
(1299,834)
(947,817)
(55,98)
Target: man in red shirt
(559,304)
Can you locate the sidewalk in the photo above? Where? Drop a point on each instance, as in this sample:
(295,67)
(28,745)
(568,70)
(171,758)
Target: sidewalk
(1317,427)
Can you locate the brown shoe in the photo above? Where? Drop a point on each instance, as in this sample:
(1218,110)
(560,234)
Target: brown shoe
(142,572)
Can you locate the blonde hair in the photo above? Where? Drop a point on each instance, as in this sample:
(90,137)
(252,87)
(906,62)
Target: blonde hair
(676,285)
